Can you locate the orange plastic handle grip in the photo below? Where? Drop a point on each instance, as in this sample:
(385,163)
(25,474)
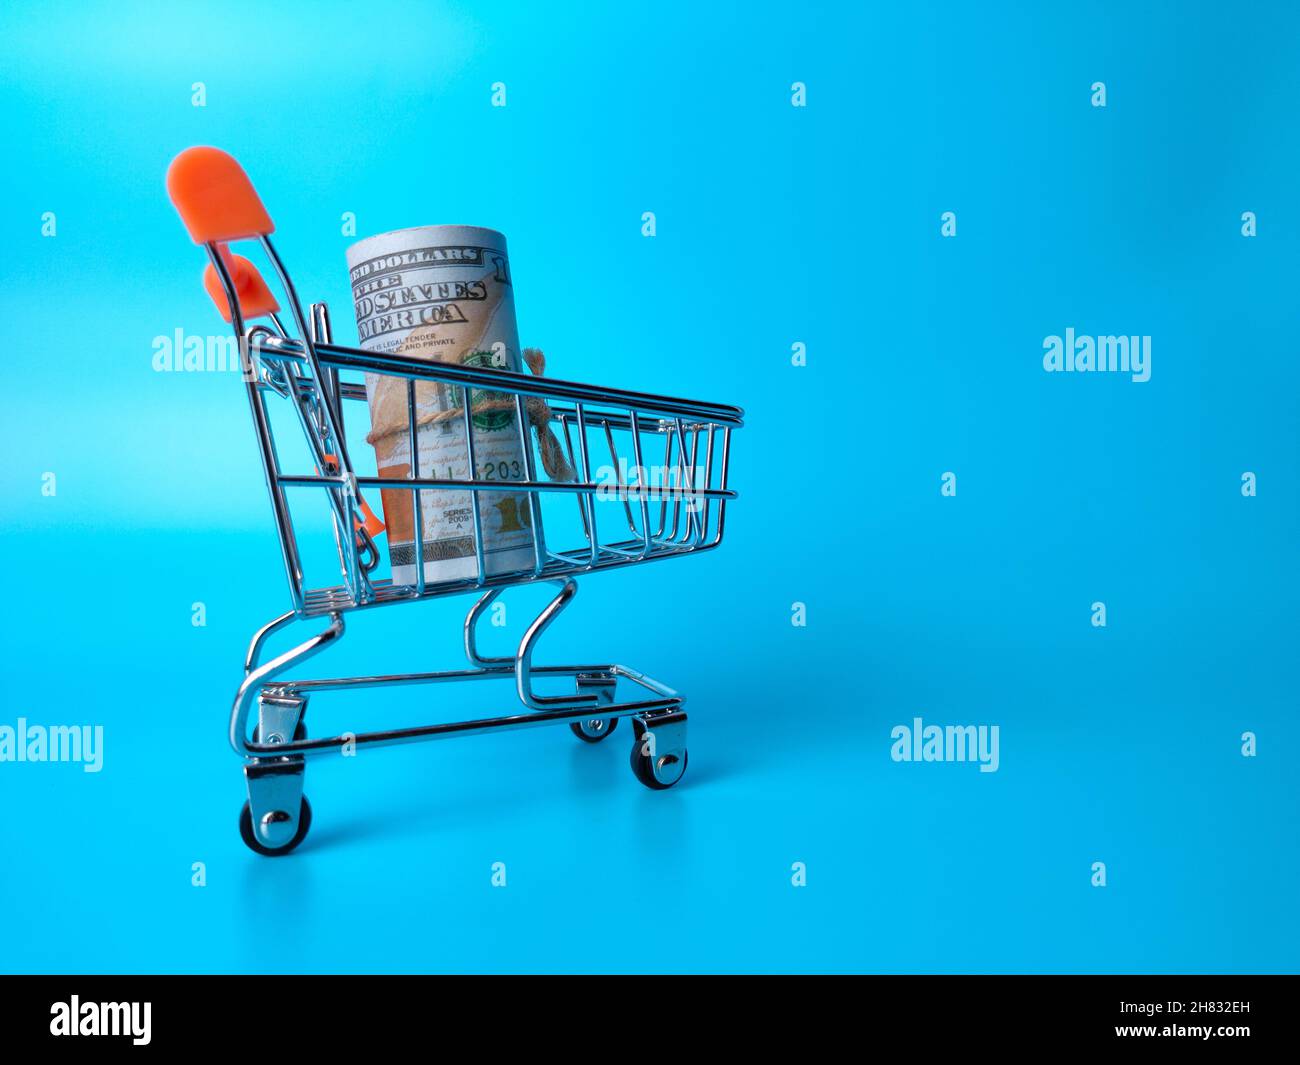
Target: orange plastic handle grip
(255,298)
(215,199)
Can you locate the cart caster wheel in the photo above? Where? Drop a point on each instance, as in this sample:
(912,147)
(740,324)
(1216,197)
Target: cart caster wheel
(595,729)
(255,844)
(299,733)
(658,773)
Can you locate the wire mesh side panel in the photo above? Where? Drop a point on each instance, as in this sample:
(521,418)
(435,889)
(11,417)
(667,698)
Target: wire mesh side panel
(489,486)
(650,482)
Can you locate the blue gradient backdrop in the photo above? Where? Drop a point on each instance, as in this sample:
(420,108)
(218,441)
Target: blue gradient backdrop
(775,225)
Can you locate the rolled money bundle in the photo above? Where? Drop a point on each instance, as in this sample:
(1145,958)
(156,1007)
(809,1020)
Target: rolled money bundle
(443,293)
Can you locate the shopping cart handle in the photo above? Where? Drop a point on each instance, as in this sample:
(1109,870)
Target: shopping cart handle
(255,298)
(215,199)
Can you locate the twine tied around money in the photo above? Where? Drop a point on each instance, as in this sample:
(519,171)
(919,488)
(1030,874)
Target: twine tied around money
(539,413)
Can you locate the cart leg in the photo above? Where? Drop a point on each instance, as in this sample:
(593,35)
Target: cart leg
(601,685)
(257,677)
(260,637)
(659,748)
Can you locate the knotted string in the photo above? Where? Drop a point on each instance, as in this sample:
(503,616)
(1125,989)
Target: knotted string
(539,412)
(554,461)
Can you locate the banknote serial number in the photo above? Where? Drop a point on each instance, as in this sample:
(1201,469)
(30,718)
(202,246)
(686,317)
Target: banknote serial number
(504,470)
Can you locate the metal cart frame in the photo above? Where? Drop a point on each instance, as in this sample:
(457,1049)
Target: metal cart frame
(308,373)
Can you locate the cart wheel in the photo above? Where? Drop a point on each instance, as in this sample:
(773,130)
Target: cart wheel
(595,729)
(299,733)
(658,773)
(255,844)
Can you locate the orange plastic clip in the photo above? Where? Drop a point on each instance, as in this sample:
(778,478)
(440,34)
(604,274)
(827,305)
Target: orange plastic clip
(255,298)
(367,520)
(215,199)
(371,524)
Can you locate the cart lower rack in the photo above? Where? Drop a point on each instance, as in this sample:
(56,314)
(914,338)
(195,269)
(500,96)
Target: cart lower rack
(611,510)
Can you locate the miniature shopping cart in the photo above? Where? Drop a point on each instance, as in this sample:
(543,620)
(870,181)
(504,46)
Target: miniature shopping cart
(306,380)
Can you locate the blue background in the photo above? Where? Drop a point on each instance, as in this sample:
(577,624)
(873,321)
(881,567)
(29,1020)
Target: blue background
(776,225)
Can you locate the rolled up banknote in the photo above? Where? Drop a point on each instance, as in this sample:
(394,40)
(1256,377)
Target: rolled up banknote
(443,293)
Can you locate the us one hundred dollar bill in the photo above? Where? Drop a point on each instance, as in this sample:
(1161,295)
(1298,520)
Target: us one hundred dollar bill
(443,293)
